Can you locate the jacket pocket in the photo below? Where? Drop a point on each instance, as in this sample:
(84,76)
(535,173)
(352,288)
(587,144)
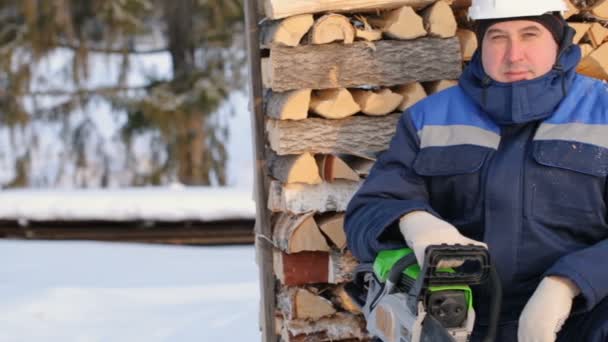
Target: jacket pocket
(568,185)
(450,161)
(454,177)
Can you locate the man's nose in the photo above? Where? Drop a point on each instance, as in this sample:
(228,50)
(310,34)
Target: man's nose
(515,51)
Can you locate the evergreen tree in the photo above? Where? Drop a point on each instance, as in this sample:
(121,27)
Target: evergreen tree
(187,142)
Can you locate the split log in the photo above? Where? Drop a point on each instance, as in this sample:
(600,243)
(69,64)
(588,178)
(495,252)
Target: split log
(289,105)
(276,9)
(332,28)
(437,86)
(332,167)
(468,43)
(332,225)
(439,20)
(369,35)
(333,103)
(298,233)
(302,198)
(385,63)
(340,327)
(288,32)
(362,166)
(586,49)
(342,300)
(377,102)
(300,303)
(597,34)
(402,23)
(300,168)
(313,267)
(596,63)
(581,30)
(411,93)
(572,9)
(357,135)
(600,9)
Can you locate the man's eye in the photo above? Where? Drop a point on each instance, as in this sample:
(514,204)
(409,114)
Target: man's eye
(497,37)
(530,35)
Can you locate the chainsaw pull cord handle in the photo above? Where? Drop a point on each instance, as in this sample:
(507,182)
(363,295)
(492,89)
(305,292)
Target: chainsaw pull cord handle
(495,304)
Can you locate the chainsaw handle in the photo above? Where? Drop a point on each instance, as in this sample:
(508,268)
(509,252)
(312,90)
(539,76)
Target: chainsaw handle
(435,253)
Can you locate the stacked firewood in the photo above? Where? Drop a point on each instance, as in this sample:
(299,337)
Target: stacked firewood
(590,20)
(337,77)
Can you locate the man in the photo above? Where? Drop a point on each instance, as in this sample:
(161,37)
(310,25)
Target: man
(514,158)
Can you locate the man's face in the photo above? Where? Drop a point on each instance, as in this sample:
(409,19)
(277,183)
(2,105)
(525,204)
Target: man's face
(518,50)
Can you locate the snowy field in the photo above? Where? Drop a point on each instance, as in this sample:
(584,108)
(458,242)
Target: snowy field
(94,291)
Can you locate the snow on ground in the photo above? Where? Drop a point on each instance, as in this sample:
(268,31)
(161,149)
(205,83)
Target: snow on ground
(94,291)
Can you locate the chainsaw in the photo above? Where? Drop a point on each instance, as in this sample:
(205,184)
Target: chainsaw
(403,303)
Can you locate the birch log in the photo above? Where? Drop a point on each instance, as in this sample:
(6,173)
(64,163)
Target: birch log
(301,303)
(276,9)
(357,135)
(340,327)
(384,63)
(313,267)
(298,233)
(301,168)
(289,105)
(302,198)
(288,32)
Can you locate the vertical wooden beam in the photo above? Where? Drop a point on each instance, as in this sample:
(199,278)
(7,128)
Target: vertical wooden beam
(263,230)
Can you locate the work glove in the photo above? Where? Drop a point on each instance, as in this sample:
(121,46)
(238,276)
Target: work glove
(547,310)
(421,229)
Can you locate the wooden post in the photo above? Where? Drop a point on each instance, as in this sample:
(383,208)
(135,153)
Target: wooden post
(263,230)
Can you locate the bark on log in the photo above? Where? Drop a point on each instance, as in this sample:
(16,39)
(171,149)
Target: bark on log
(288,31)
(289,105)
(357,135)
(302,303)
(340,327)
(302,198)
(313,267)
(300,168)
(383,63)
(298,233)
(276,9)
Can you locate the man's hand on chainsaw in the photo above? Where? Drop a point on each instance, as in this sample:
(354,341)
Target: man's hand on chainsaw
(421,229)
(547,310)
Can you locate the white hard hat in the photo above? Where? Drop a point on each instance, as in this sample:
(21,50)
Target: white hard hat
(496,9)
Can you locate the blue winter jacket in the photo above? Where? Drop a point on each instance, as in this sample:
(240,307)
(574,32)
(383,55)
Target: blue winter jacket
(520,166)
